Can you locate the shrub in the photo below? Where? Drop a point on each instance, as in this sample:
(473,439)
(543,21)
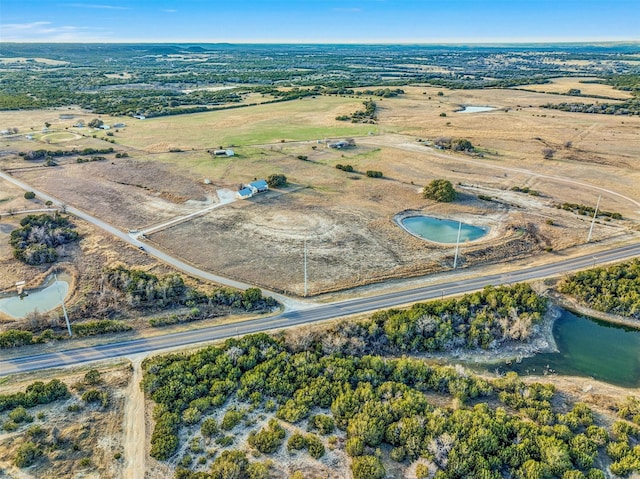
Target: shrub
(367,467)
(92,377)
(315,446)
(209,427)
(374,174)
(231,419)
(29,195)
(14,338)
(268,439)
(10,426)
(258,470)
(296,442)
(324,424)
(439,190)
(19,415)
(26,455)
(104,326)
(461,144)
(347,168)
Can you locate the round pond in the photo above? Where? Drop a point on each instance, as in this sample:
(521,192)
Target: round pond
(441,231)
(42,300)
(476,109)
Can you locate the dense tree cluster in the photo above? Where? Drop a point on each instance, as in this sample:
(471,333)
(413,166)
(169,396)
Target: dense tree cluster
(13,338)
(378,402)
(48,154)
(613,289)
(455,144)
(103,326)
(36,393)
(586,210)
(39,236)
(142,289)
(276,180)
(368,115)
(347,168)
(440,190)
(629,107)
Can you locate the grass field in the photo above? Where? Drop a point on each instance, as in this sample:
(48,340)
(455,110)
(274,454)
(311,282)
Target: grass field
(307,119)
(347,218)
(563,85)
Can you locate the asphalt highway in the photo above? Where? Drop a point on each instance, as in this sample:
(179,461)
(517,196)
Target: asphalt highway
(310,315)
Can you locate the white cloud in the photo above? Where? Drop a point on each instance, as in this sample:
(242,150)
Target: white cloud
(48,32)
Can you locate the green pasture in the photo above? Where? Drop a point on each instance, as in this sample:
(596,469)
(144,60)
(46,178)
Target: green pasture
(295,120)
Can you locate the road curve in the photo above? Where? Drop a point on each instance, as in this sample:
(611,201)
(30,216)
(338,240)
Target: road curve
(305,316)
(132,240)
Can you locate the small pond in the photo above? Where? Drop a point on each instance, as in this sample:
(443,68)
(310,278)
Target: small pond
(43,300)
(441,231)
(476,109)
(588,347)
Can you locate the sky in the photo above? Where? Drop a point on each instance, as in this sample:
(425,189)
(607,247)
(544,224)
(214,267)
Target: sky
(320,21)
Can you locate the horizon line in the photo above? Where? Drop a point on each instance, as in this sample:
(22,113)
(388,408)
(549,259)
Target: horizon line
(266,42)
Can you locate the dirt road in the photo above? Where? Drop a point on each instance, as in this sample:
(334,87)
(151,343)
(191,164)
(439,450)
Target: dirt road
(134,424)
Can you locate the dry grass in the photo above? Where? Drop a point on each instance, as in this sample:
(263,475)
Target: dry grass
(348,219)
(93,433)
(563,85)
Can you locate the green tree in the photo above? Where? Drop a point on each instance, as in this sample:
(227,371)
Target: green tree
(367,467)
(439,190)
(29,195)
(276,180)
(209,427)
(461,144)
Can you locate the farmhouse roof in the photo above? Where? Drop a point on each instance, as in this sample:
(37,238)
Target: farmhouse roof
(260,185)
(245,193)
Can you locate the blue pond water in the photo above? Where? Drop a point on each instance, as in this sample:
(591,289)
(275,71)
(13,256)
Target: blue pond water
(42,300)
(476,109)
(588,347)
(441,231)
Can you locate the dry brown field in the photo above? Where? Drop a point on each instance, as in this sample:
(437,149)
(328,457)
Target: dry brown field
(563,85)
(347,219)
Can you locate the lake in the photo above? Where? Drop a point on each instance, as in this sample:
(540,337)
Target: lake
(588,347)
(440,230)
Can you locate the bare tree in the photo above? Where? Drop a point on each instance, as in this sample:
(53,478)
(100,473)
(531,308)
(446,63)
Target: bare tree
(548,153)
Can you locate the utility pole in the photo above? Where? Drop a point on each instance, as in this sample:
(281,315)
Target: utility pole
(455,258)
(64,310)
(595,213)
(305,268)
